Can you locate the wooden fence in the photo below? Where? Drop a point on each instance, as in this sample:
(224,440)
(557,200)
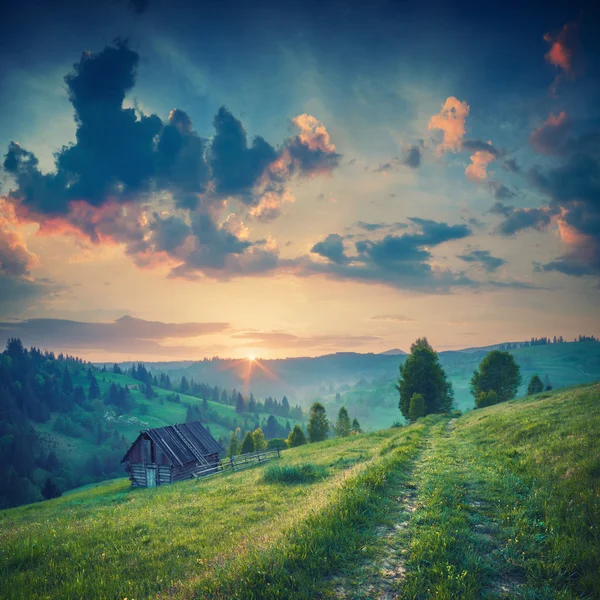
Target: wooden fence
(239,462)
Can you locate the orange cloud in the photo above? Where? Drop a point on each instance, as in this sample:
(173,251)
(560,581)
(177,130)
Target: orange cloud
(477,170)
(549,138)
(451,120)
(313,133)
(565,52)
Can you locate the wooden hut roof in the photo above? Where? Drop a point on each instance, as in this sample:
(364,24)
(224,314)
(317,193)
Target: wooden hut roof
(175,442)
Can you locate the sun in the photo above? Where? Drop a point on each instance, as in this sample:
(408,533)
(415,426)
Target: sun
(251,358)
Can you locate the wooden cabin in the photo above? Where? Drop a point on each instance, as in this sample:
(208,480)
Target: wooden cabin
(169,454)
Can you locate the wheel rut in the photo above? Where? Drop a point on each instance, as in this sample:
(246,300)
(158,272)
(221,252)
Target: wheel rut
(380,575)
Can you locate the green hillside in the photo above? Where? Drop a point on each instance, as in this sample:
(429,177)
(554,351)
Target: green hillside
(503,502)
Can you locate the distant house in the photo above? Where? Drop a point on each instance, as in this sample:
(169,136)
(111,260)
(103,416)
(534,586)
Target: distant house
(169,454)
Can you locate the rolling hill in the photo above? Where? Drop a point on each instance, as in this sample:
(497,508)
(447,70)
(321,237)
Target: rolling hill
(502,502)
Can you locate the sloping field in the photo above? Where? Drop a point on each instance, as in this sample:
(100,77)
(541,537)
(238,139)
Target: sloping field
(501,503)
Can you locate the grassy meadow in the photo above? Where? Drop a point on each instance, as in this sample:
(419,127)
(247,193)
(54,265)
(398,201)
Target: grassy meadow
(503,502)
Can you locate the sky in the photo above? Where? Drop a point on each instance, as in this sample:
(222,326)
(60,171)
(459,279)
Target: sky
(181,180)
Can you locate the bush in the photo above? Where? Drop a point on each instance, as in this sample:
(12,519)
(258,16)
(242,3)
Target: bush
(277,443)
(535,386)
(486,399)
(296,437)
(306,473)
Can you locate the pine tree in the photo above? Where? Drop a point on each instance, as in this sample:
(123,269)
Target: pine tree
(422,374)
(234,445)
(94,390)
(296,437)
(248,443)
(318,424)
(67,383)
(50,490)
(342,425)
(356,427)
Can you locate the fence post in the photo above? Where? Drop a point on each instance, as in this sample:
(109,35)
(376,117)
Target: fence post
(278,455)
(232,463)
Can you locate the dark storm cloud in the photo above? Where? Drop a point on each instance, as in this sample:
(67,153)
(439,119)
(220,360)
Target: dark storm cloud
(127,334)
(122,156)
(332,248)
(236,167)
(168,233)
(483,257)
(573,190)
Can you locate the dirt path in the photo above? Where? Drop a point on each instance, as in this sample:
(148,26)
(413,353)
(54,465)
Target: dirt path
(380,575)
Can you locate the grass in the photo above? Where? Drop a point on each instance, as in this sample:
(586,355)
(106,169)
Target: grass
(502,502)
(115,542)
(293,474)
(509,503)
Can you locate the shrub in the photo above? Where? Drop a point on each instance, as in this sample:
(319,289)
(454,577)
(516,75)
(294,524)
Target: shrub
(499,372)
(277,443)
(535,386)
(306,473)
(296,437)
(486,399)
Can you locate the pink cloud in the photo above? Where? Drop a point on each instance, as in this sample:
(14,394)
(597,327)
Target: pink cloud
(477,170)
(451,121)
(565,52)
(550,137)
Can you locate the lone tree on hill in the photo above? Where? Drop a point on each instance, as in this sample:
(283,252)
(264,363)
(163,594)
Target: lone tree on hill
(535,385)
(248,443)
(296,437)
(356,427)
(422,374)
(497,372)
(416,408)
(318,423)
(343,425)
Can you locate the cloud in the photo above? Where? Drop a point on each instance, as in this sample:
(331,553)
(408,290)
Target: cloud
(15,259)
(398,318)
(565,52)
(104,185)
(332,248)
(411,158)
(523,218)
(127,334)
(500,191)
(511,165)
(573,192)
(499,208)
(551,136)
(490,263)
(484,153)
(451,121)
(379,226)
(399,261)
(282,339)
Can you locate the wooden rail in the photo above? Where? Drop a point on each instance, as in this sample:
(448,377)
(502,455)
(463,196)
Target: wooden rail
(240,462)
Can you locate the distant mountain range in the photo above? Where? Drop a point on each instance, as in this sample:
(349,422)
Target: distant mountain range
(300,379)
